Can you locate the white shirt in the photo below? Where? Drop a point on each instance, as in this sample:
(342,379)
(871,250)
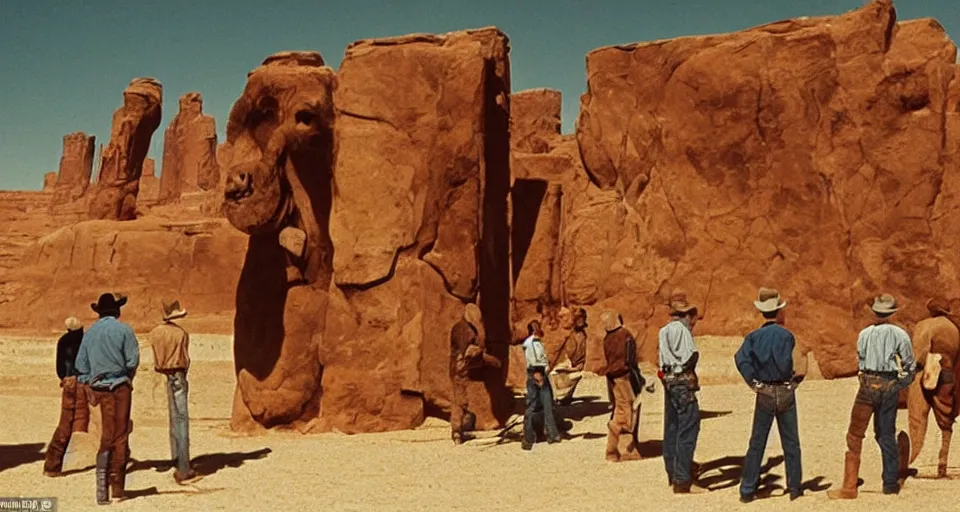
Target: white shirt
(534,352)
(676,346)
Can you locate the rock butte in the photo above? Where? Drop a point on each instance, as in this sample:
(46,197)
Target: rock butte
(817,155)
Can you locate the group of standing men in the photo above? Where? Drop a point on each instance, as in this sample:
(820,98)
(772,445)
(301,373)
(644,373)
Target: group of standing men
(98,368)
(770,362)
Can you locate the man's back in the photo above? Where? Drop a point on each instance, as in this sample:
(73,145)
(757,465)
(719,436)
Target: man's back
(109,350)
(68,346)
(171,345)
(769,351)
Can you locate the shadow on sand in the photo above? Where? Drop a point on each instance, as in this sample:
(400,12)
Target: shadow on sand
(205,464)
(726,472)
(13,455)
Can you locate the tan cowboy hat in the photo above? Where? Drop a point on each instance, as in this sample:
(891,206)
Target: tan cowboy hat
(472,314)
(884,304)
(678,303)
(172,310)
(768,300)
(611,321)
(72,324)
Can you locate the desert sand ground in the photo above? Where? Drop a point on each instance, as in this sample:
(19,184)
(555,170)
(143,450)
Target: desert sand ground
(422,469)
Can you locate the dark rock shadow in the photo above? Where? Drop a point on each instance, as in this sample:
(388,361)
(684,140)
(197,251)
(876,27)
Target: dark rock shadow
(13,455)
(205,464)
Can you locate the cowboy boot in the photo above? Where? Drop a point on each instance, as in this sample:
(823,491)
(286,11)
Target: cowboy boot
(851,472)
(117,481)
(903,454)
(103,496)
(613,442)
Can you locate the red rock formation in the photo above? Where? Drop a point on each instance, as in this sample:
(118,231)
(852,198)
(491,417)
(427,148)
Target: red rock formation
(49,181)
(189,151)
(279,153)
(121,162)
(149,259)
(805,154)
(418,225)
(149,184)
(76,164)
(535,120)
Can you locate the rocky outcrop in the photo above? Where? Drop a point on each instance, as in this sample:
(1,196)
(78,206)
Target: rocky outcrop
(49,181)
(189,151)
(278,190)
(418,225)
(115,195)
(149,183)
(806,154)
(149,259)
(76,165)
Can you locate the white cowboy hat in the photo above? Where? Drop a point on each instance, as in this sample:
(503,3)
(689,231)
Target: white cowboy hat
(768,300)
(884,304)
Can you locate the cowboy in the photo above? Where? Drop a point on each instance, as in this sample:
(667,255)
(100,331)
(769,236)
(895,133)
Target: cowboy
(74,411)
(766,362)
(539,391)
(467,351)
(620,351)
(678,358)
(880,383)
(107,361)
(171,357)
(574,349)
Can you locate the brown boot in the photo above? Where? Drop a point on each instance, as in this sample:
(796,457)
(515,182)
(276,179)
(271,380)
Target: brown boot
(613,442)
(851,471)
(903,453)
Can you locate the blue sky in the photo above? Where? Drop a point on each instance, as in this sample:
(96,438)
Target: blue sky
(63,65)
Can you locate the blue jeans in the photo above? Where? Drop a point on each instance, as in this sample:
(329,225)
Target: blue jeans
(878,397)
(681,427)
(773,402)
(542,395)
(179,420)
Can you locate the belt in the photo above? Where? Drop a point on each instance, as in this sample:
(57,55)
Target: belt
(775,382)
(885,375)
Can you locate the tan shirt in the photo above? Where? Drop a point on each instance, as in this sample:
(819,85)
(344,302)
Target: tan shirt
(171,345)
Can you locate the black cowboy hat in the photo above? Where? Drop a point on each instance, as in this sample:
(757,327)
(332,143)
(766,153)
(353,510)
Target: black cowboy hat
(109,302)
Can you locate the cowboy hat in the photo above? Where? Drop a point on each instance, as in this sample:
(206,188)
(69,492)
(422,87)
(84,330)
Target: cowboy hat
(768,300)
(173,310)
(109,302)
(679,305)
(884,304)
(72,324)
(611,321)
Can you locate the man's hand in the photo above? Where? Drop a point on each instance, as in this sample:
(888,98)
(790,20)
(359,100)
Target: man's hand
(538,378)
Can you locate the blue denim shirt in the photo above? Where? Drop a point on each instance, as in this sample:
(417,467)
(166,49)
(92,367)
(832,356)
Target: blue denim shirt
(766,355)
(878,345)
(109,351)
